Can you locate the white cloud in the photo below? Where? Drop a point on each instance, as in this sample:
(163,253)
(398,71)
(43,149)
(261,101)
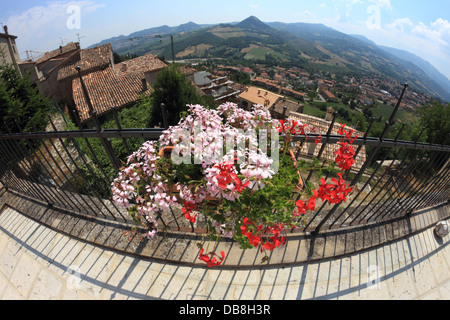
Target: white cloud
(343,8)
(383,4)
(438,31)
(429,41)
(400,24)
(42,24)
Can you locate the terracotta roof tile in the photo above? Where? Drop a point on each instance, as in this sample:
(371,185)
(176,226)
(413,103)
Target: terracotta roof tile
(91,59)
(107,91)
(147,63)
(259,96)
(71,46)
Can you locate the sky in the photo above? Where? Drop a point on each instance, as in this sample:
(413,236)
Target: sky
(420,27)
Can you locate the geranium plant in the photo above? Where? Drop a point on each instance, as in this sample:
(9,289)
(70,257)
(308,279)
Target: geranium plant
(236,168)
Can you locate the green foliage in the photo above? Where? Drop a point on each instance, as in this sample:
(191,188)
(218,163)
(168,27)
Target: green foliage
(21,108)
(436,120)
(21,102)
(265,206)
(136,117)
(174,90)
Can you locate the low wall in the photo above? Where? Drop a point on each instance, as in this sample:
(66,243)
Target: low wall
(182,247)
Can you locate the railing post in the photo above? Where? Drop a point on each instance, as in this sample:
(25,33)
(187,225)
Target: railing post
(164,115)
(93,113)
(368,161)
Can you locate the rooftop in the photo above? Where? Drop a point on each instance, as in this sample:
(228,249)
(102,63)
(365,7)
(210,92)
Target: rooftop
(70,47)
(107,91)
(147,63)
(259,96)
(91,59)
(289,104)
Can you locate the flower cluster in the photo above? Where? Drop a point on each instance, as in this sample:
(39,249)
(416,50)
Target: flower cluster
(210,258)
(345,154)
(269,238)
(244,193)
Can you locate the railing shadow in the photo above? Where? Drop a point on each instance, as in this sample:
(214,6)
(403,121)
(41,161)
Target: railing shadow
(93,272)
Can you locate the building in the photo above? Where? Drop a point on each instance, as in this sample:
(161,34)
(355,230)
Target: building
(278,105)
(311,149)
(109,86)
(9,54)
(326,94)
(285,107)
(219,87)
(44,71)
(274,86)
(253,95)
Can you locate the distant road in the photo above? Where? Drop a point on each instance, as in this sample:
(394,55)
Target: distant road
(197,60)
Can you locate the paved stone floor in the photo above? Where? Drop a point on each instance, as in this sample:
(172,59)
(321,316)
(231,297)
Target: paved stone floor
(39,263)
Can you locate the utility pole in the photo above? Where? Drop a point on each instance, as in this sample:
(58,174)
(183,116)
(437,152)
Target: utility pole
(173,51)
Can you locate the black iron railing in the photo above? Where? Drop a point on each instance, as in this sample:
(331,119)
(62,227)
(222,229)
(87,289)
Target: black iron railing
(73,170)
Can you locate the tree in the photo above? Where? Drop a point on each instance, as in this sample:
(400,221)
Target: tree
(21,108)
(21,102)
(435,118)
(176,92)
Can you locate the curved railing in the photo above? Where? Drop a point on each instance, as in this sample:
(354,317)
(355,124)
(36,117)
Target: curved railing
(73,170)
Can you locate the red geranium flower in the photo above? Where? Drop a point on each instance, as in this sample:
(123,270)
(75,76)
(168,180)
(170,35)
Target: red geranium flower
(210,258)
(303,207)
(345,156)
(333,193)
(227,175)
(187,210)
(347,134)
(318,140)
(342,131)
(341,190)
(291,126)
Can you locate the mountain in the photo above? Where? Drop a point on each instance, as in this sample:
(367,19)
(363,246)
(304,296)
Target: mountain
(148,35)
(248,39)
(253,23)
(359,53)
(314,47)
(427,67)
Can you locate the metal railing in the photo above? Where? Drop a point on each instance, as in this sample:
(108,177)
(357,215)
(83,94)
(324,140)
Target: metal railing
(73,170)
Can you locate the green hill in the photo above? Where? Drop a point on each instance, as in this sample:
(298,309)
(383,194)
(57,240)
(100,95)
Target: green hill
(313,47)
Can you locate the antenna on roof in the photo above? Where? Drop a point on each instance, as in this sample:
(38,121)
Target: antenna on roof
(79,38)
(62,41)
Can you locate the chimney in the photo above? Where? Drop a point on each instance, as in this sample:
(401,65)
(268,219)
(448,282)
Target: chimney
(144,85)
(12,51)
(60,49)
(330,113)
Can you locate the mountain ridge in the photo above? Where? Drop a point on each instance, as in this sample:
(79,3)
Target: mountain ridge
(316,46)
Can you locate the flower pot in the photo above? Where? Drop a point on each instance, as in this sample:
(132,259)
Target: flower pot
(166,152)
(300,184)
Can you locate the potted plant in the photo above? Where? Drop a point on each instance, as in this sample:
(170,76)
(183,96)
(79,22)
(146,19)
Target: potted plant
(233,166)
